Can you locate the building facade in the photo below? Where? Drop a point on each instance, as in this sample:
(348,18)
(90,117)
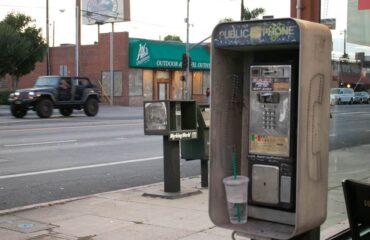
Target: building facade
(142,69)
(156,71)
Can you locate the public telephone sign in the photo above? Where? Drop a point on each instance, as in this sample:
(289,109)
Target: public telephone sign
(256,33)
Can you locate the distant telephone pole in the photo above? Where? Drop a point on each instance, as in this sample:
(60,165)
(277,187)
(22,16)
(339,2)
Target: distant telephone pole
(309,10)
(78,37)
(242,11)
(47,39)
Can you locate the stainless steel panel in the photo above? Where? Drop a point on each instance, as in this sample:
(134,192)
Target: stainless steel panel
(265,184)
(269,214)
(270,110)
(285,189)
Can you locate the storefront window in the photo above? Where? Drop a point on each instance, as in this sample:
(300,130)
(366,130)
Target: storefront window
(178,85)
(206,81)
(148,84)
(197,83)
(135,82)
(117,84)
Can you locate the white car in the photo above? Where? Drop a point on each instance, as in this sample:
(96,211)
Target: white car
(361,97)
(341,95)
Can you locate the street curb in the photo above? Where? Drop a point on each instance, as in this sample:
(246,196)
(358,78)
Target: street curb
(40,205)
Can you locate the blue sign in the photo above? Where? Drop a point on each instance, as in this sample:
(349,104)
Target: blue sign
(265,32)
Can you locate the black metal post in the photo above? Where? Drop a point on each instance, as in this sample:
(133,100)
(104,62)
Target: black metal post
(171,161)
(204,172)
(313,234)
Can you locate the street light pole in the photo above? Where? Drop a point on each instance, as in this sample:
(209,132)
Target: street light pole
(187,90)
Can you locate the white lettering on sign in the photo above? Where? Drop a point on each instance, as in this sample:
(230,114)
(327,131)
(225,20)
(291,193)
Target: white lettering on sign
(143,54)
(234,33)
(183,135)
(164,63)
(204,65)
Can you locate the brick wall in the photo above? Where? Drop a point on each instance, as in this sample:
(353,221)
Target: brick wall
(94,59)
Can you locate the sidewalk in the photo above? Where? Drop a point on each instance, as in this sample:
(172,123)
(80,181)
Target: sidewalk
(121,215)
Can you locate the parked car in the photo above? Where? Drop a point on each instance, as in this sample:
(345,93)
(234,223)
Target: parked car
(49,92)
(361,97)
(341,96)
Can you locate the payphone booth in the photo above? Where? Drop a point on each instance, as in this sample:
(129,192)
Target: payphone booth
(270,109)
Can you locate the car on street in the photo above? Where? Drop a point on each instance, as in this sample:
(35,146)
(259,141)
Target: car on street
(341,96)
(49,92)
(361,97)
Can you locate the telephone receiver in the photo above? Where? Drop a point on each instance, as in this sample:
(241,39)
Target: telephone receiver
(315,102)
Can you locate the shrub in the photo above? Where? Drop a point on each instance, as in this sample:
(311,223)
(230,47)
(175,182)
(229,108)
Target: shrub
(4,94)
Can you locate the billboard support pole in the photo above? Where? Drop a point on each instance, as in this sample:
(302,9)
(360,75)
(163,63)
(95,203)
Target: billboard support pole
(111,64)
(77,39)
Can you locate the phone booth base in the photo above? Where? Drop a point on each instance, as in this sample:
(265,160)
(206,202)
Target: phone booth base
(270,108)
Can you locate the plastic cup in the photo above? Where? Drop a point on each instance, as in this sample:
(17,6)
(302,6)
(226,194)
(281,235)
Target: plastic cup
(237,196)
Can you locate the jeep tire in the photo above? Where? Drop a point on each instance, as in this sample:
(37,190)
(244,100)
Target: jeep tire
(44,108)
(66,111)
(91,107)
(18,111)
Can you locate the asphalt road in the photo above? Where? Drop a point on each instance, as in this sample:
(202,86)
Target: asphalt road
(43,160)
(350,126)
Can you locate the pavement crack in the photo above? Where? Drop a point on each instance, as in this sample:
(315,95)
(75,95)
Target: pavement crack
(90,237)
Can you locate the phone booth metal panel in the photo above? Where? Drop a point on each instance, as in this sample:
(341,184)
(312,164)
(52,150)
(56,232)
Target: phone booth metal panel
(270,106)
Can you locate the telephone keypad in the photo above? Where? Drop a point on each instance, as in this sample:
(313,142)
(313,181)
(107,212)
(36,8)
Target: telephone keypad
(268,118)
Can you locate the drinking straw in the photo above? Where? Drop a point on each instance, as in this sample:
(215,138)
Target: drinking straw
(233,158)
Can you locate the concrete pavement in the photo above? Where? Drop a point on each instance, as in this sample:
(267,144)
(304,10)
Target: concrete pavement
(124,214)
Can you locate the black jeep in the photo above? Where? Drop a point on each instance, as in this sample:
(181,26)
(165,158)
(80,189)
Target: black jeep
(49,92)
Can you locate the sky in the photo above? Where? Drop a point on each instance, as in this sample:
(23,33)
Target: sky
(154,19)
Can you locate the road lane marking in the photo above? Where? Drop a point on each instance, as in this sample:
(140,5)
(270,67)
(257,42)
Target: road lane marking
(80,167)
(3,160)
(38,143)
(121,138)
(70,127)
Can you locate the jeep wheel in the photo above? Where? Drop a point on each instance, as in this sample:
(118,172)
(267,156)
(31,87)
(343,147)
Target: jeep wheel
(66,111)
(91,107)
(44,108)
(18,111)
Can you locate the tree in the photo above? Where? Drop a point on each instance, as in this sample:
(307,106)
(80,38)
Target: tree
(248,15)
(172,38)
(21,44)
(226,20)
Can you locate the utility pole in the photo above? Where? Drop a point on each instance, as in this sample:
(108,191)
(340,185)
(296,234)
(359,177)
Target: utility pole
(111,64)
(242,11)
(306,9)
(187,88)
(78,38)
(47,39)
(344,43)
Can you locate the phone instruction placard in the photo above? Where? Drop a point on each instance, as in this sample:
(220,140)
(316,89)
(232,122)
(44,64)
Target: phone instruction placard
(269,126)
